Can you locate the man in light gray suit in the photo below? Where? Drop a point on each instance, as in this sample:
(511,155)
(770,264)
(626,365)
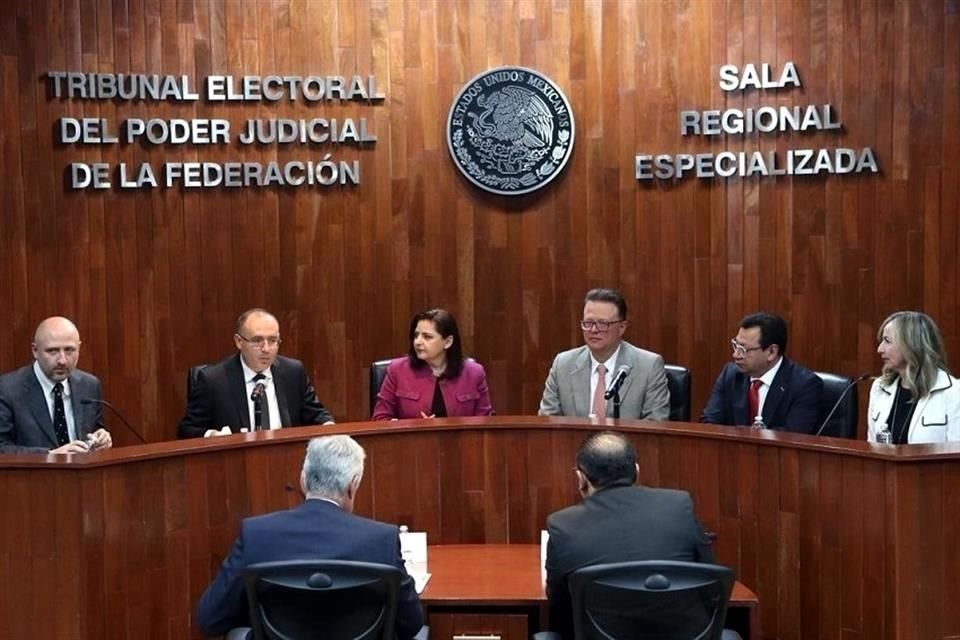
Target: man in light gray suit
(579,377)
(50,405)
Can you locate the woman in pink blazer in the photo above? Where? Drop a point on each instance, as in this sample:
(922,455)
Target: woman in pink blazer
(433,380)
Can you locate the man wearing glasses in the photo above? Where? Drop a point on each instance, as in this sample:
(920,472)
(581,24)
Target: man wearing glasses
(578,378)
(761,381)
(253,389)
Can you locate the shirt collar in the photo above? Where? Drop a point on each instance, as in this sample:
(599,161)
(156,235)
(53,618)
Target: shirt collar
(610,364)
(248,373)
(47,384)
(768,377)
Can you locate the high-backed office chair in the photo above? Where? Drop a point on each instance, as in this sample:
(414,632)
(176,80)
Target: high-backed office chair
(193,373)
(843,424)
(378,371)
(651,599)
(678,381)
(301,600)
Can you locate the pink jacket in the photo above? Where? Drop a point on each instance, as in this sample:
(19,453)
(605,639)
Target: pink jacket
(406,392)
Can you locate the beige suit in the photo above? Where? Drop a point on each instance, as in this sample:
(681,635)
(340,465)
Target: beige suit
(644,393)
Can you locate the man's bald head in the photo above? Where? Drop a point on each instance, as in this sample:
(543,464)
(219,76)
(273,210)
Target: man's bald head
(56,347)
(607,459)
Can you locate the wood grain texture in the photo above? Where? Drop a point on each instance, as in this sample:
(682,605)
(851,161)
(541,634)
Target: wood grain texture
(824,533)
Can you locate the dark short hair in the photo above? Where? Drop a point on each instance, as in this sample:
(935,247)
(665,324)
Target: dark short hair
(446,326)
(249,312)
(608,295)
(773,329)
(607,459)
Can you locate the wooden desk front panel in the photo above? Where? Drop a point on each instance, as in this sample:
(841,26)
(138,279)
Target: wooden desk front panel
(836,540)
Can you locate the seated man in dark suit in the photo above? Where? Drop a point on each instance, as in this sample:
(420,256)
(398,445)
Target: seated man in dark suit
(50,405)
(762,381)
(617,521)
(322,528)
(255,381)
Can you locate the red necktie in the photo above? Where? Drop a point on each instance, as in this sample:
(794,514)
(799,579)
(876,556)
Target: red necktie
(753,399)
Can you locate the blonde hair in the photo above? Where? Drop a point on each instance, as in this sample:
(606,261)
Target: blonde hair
(917,337)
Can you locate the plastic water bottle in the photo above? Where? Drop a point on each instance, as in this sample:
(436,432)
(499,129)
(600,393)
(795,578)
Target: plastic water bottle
(758,423)
(883,435)
(405,551)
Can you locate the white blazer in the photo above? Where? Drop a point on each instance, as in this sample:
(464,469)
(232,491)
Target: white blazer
(936,418)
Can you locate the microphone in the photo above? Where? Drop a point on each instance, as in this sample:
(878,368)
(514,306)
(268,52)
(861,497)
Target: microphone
(117,413)
(257,396)
(836,405)
(622,372)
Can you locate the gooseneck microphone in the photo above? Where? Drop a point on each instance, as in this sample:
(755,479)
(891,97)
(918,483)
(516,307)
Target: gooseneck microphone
(117,413)
(622,372)
(836,405)
(257,396)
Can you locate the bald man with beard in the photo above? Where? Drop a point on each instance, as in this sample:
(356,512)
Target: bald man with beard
(42,405)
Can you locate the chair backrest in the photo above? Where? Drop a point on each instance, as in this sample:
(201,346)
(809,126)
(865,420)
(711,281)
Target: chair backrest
(193,373)
(302,599)
(843,424)
(651,599)
(378,371)
(678,381)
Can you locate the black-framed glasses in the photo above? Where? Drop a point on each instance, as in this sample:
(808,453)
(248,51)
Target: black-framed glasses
(599,325)
(741,350)
(259,341)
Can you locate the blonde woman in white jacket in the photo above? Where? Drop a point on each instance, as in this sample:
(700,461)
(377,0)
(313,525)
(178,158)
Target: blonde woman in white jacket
(915,398)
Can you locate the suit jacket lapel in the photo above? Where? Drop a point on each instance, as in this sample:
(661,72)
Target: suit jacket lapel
(281,390)
(623,358)
(38,406)
(741,382)
(580,379)
(237,390)
(776,393)
(77,393)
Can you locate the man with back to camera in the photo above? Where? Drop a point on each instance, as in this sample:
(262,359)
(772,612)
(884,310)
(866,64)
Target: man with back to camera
(50,405)
(322,528)
(578,378)
(617,521)
(224,397)
(762,381)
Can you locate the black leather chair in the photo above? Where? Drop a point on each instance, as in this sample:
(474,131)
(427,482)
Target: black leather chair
(678,381)
(193,373)
(378,371)
(301,600)
(843,423)
(652,599)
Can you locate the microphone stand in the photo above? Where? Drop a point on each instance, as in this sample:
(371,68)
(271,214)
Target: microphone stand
(616,404)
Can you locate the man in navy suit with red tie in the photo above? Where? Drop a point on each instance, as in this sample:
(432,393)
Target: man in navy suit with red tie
(762,381)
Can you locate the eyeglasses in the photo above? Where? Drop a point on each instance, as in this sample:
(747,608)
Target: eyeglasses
(599,325)
(259,341)
(741,350)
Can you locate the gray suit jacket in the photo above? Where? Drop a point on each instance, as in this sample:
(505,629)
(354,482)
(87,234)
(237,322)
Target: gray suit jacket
(25,423)
(644,393)
(619,524)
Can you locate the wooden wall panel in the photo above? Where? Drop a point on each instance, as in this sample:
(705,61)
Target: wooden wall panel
(155,278)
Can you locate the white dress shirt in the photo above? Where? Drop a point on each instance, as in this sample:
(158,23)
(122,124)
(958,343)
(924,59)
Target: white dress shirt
(47,385)
(269,389)
(767,380)
(609,365)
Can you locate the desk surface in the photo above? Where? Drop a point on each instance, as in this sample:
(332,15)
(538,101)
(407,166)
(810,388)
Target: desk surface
(501,574)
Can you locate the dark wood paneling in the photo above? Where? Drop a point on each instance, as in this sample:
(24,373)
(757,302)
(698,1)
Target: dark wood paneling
(155,278)
(825,534)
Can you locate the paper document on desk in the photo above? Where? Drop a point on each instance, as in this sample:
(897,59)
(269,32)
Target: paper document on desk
(413,550)
(544,539)
(420,581)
